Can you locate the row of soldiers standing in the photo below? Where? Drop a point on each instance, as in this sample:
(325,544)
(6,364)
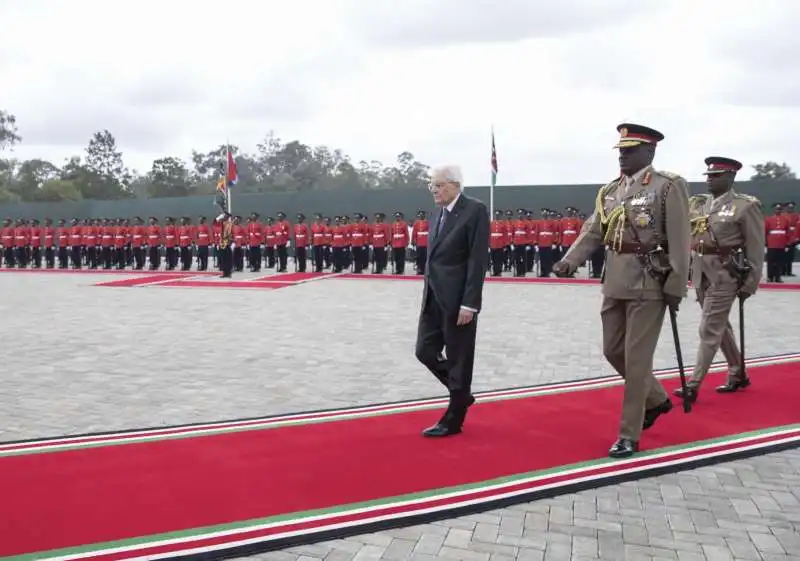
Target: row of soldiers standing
(103,243)
(524,242)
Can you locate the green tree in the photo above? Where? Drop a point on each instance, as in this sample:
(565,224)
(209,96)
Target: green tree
(169,178)
(9,133)
(772,171)
(106,177)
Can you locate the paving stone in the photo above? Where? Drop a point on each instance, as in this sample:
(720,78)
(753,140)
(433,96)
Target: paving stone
(743,510)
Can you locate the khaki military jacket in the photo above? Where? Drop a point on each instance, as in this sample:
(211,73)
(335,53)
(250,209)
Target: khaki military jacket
(728,222)
(652,212)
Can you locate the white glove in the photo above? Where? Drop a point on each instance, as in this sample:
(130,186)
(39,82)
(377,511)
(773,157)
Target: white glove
(233,245)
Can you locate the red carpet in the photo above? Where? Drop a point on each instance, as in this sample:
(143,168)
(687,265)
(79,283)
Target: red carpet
(291,277)
(531,280)
(243,283)
(246,486)
(141,281)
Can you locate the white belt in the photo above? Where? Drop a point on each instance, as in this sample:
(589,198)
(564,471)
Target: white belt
(551,233)
(379,235)
(521,232)
(203,235)
(777,231)
(422,233)
(495,234)
(398,235)
(338,236)
(570,231)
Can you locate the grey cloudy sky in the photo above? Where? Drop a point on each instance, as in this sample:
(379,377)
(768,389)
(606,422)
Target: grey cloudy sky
(431,76)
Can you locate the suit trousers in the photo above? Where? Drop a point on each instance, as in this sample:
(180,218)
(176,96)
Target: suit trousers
(438,331)
(631,329)
(716,332)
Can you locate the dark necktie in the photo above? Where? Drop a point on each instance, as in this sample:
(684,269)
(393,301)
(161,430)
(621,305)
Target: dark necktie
(442,220)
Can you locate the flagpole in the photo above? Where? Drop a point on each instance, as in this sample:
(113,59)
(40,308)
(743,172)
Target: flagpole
(494,178)
(227,174)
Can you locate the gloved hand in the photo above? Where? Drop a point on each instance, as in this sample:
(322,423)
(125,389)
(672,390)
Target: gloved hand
(673,301)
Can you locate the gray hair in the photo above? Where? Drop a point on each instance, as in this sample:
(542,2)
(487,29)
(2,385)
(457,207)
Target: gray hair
(449,173)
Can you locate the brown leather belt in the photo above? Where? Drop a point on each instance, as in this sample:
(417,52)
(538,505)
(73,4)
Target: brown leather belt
(703,249)
(632,248)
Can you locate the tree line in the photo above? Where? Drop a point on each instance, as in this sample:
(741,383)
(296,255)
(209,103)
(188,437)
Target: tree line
(100,172)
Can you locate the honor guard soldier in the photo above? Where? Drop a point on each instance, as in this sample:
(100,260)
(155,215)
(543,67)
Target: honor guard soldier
(327,253)
(75,240)
(497,243)
(91,240)
(419,239)
(7,239)
(338,244)
(62,235)
(269,242)
(120,241)
(239,243)
(36,244)
(359,240)
(548,229)
(794,237)
(533,237)
(282,235)
(204,240)
(226,244)
(778,242)
(381,236)
(568,227)
(318,242)
(138,243)
(154,241)
(399,243)
(508,257)
(170,236)
(643,217)
(520,238)
(255,241)
(49,243)
(302,239)
(728,257)
(186,241)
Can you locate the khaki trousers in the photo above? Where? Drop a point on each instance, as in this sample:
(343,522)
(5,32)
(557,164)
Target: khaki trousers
(715,330)
(631,329)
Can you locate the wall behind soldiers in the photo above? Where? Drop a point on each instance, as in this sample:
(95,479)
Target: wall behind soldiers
(331,203)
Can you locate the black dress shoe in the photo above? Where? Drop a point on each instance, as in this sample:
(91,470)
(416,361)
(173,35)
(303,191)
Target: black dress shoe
(691,392)
(650,415)
(623,448)
(733,385)
(440,430)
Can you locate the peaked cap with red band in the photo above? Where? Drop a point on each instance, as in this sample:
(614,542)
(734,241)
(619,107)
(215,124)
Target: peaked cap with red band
(634,135)
(718,164)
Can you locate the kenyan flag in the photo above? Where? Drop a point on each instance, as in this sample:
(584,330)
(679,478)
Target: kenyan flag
(494,162)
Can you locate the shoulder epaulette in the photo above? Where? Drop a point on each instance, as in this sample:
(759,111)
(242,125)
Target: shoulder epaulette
(699,197)
(607,187)
(749,198)
(668,175)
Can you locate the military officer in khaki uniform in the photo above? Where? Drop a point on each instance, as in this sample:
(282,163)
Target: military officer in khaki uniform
(643,219)
(727,258)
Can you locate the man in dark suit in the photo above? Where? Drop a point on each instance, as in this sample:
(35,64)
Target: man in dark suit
(451,298)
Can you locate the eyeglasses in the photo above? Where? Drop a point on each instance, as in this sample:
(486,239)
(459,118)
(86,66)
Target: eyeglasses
(436,186)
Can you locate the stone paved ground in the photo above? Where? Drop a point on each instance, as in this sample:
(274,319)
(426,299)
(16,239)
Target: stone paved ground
(88,358)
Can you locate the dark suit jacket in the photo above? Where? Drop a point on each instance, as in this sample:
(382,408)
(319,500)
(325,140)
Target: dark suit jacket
(458,257)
